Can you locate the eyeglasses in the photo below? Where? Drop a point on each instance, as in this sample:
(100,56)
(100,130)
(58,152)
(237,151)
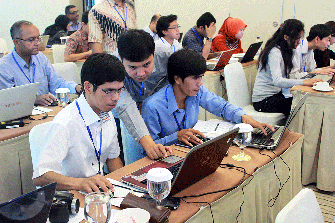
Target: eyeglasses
(32,39)
(111,91)
(74,12)
(175,27)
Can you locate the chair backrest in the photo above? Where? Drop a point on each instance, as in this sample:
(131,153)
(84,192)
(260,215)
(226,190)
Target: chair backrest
(58,53)
(36,140)
(236,85)
(302,208)
(68,71)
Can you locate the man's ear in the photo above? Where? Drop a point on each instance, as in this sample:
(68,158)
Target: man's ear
(88,87)
(164,32)
(177,79)
(286,37)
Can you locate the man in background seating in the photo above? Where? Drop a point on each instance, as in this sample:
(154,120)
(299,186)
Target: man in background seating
(151,28)
(26,64)
(77,46)
(72,12)
(205,29)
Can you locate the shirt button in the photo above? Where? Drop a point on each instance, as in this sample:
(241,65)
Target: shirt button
(135,139)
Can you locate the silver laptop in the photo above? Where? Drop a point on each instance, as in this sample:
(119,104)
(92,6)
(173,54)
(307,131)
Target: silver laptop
(324,77)
(17,102)
(271,141)
(43,43)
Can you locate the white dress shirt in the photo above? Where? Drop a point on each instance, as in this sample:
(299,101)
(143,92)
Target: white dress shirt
(303,61)
(161,43)
(154,35)
(68,149)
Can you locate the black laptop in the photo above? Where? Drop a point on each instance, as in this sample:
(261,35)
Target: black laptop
(32,207)
(251,52)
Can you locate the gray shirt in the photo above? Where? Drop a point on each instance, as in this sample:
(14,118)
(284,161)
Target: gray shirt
(272,80)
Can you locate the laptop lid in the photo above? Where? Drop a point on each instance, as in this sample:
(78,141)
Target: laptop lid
(17,102)
(251,52)
(222,61)
(200,161)
(32,207)
(43,43)
(273,142)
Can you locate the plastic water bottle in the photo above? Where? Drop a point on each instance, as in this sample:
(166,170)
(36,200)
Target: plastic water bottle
(258,39)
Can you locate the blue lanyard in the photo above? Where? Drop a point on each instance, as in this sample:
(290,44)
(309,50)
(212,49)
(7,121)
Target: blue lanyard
(97,154)
(139,97)
(22,70)
(302,43)
(125,21)
(198,37)
(174,48)
(174,115)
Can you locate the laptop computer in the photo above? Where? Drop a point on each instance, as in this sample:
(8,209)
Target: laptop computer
(17,102)
(251,52)
(222,61)
(324,77)
(200,161)
(32,207)
(43,43)
(271,141)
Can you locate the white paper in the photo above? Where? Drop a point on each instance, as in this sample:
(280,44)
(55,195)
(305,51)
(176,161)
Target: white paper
(213,127)
(40,110)
(120,193)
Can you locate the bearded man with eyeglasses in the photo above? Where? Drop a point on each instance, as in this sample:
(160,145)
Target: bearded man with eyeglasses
(25,64)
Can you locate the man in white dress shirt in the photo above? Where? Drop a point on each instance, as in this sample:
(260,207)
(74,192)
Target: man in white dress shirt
(151,28)
(83,136)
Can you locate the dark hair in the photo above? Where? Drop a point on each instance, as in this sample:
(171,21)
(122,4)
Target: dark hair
(135,45)
(205,19)
(292,28)
(101,68)
(184,63)
(67,8)
(154,18)
(62,21)
(84,17)
(319,30)
(15,30)
(164,23)
(331,25)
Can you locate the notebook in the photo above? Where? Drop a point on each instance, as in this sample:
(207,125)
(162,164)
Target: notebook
(32,207)
(200,161)
(324,77)
(251,52)
(43,43)
(222,61)
(17,102)
(271,141)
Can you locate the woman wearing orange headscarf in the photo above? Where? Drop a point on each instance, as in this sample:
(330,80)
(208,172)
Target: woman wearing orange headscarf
(229,36)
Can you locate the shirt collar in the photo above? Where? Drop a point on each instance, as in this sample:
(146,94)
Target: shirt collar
(89,115)
(166,42)
(23,63)
(74,24)
(171,99)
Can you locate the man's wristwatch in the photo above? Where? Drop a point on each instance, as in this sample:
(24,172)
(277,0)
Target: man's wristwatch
(209,39)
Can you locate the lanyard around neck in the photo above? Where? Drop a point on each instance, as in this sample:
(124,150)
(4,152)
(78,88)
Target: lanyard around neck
(303,55)
(125,21)
(198,37)
(174,115)
(174,48)
(97,154)
(33,81)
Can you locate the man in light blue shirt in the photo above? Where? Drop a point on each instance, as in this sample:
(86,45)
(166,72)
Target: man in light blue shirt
(25,64)
(171,113)
(72,12)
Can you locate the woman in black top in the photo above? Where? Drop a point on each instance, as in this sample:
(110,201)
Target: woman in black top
(57,30)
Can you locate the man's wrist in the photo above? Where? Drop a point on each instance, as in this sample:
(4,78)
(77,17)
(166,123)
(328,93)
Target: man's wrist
(210,39)
(79,89)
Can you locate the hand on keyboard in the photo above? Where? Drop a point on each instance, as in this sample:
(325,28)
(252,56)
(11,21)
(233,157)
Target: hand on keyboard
(189,137)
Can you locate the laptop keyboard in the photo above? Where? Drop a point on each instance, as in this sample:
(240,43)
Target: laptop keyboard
(179,143)
(259,138)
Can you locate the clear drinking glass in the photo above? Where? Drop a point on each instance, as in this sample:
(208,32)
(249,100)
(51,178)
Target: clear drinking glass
(97,207)
(63,96)
(159,184)
(243,139)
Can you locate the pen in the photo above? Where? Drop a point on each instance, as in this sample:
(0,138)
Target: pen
(216,127)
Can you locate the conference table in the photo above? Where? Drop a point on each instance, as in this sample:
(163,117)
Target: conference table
(255,195)
(316,121)
(16,165)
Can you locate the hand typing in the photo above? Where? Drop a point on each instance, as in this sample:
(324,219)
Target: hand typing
(188,136)
(92,184)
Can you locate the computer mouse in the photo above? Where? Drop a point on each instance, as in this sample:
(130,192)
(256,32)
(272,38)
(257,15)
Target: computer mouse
(54,103)
(111,193)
